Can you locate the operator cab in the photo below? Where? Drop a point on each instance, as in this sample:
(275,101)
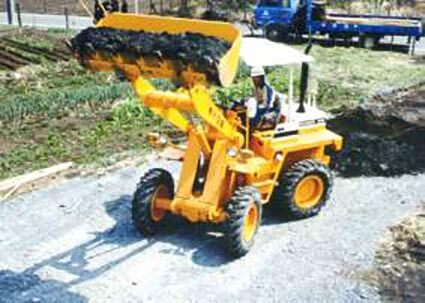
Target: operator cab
(295,115)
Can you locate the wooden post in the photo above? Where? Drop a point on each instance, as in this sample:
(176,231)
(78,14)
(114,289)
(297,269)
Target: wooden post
(9,186)
(66,18)
(412,45)
(102,7)
(161,7)
(10,6)
(84,5)
(44,6)
(245,10)
(18,14)
(136,6)
(152,8)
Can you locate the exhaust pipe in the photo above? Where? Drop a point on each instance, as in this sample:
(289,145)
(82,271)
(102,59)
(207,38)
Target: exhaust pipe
(305,68)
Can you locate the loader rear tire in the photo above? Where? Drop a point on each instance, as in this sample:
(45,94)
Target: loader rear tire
(155,184)
(304,189)
(244,211)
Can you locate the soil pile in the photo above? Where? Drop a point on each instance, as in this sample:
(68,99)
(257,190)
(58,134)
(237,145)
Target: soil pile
(400,274)
(202,53)
(384,137)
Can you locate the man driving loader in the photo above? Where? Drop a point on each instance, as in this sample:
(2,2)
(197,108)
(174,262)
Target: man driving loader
(264,107)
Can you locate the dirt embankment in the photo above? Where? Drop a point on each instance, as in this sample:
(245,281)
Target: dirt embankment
(400,262)
(383,137)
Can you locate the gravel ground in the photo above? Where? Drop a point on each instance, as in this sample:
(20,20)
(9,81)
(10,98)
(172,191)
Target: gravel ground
(74,242)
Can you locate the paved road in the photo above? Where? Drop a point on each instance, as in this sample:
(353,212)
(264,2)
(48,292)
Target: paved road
(50,21)
(75,243)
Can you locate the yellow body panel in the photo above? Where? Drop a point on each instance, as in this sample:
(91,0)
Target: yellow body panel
(260,168)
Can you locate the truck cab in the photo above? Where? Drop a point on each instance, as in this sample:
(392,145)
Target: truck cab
(269,11)
(276,17)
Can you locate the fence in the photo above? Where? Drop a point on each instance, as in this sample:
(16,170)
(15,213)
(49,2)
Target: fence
(70,13)
(75,8)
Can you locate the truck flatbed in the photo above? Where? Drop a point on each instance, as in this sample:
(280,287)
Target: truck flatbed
(373,20)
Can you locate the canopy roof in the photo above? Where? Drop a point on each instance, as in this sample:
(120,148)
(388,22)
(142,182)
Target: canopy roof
(263,52)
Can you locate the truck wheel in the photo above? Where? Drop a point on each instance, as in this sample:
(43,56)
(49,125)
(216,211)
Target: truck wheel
(274,33)
(305,188)
(244,210)
(155,185)
(369,42)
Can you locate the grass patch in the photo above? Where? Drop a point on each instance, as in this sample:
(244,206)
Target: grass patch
(48,76)
(60,100)
(92,138)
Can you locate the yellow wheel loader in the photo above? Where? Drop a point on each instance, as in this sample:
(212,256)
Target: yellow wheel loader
(228,171)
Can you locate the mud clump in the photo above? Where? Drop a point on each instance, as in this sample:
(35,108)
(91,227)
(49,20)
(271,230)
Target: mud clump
(384,137)
(202,53)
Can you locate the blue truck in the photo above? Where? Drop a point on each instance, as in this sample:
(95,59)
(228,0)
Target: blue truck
(285,19)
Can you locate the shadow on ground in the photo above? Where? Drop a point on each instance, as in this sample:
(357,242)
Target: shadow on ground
(205,242)
(202,243)
(22,287)
(76,262)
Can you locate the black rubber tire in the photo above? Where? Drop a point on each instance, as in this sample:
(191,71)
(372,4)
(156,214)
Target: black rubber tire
(284,195)
(141,204)
(374,45)
(274,33)
(237,210)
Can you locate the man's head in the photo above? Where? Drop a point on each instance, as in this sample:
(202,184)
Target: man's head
(258,76)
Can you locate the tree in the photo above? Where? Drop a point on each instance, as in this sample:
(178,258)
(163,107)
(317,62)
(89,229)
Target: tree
(184,8)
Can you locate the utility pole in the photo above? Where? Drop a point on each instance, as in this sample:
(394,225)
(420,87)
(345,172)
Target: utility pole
(10,8)
(136,6)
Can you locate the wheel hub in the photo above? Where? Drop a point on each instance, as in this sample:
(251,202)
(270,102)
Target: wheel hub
(160,196)
(250,223)
(309,191)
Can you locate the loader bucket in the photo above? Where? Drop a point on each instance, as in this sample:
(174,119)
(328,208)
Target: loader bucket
(221,72)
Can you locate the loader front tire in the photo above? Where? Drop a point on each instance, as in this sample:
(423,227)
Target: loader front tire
(157,184)
(244,210)
(304,188)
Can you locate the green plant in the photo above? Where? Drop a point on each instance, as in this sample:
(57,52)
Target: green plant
(61,100)
(128,110)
